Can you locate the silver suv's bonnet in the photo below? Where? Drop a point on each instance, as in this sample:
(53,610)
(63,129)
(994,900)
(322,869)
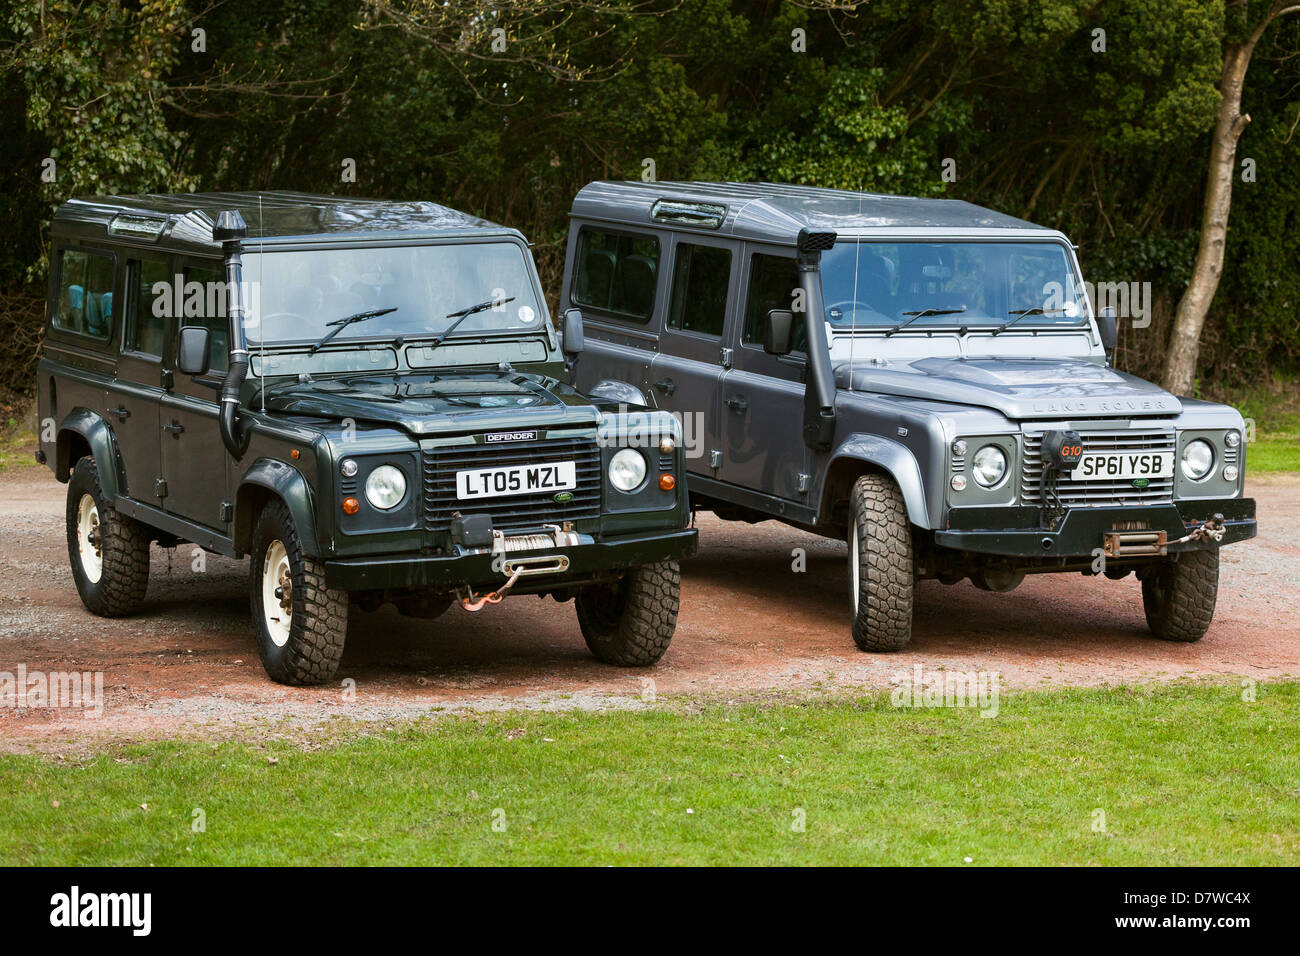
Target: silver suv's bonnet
(1018,388)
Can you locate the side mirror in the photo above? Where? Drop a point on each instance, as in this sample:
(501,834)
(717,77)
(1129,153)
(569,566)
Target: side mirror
(778,336)
(1109,329)
(192,350)
(572,333)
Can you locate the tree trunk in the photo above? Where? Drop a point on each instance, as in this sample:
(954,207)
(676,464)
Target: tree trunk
(1189,320)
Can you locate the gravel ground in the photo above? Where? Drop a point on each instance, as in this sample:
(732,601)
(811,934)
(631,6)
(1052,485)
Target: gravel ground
(749,625)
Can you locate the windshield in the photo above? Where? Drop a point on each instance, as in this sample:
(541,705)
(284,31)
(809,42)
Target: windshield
(886,285)
(300,297)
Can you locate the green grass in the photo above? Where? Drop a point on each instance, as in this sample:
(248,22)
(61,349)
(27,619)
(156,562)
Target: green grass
(1272,453)
(1275,410)
(16,448)
(1184,774)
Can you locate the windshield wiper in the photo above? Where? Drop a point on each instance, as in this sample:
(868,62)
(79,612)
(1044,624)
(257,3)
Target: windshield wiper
(1022,313)
(462,314)
(340,324)
(920,314)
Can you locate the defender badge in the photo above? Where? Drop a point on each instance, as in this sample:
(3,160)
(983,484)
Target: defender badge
(493,437)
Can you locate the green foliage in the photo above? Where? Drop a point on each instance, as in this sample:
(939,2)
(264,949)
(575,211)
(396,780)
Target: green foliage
(1109,146)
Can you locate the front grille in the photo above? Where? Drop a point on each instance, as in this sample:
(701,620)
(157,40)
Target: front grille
(513,512)
(1098,493)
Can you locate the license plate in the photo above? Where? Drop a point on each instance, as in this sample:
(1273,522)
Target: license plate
(1123,466)
(478,483)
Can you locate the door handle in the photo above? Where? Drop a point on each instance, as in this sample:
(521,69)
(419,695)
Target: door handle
(738,404)
(666,385)
(175,428)
(122,412)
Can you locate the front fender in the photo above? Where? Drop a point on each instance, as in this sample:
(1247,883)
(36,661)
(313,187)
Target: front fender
(266,477)
(897,461)
(612,390)
(87,425)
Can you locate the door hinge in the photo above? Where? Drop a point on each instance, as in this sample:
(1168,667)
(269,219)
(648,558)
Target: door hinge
(226,511)
(725,358)
(715,458)
(160,487)
(803,484)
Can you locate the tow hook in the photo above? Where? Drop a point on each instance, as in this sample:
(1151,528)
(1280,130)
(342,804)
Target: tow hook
(472,603)
(1211,530)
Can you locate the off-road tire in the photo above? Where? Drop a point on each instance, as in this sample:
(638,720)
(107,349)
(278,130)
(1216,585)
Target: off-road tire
(1179,596)
(124,547)
(882,615)
(319,621)
(632,623)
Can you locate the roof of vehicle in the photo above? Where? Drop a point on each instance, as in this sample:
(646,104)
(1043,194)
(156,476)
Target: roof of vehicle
(774,212)
(271,216)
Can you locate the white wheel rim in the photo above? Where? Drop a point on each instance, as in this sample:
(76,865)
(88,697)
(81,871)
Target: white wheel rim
(277,608)
(89,544)
(854,569)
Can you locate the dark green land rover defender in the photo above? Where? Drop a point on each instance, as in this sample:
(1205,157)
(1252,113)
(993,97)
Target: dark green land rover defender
(366,398)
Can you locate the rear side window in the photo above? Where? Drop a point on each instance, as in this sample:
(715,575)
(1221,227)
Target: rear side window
(617,273)
(146,326)
(772,284)
(700,278)
(85,303)
(205,305)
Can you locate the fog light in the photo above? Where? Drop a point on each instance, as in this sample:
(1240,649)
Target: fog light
(667,482)
(351,506)
(347,468)
(959,448)
(958,482)
(1230,473)
(1232,439)
(667,445)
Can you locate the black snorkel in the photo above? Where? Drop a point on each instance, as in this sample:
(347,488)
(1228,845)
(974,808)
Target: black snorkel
(819,395)
(230,230)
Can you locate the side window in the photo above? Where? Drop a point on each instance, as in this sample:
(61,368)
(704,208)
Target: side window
(617,273)
(700,278)
(772,284)
(85,303)
(205,304)
(146,328)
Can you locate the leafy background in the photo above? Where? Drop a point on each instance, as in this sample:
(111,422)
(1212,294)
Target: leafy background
(1110,147)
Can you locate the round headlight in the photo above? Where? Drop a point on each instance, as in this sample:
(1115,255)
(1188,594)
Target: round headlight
(1198,459)
(989,466)
(627,469)
(386,487)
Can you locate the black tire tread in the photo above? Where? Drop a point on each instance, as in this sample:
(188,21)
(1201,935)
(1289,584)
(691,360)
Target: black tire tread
(124,547)
(885,562)
(1180,596)
(633,625)
(320,614)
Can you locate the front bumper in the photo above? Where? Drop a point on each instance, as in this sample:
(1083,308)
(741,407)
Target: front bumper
(474,569)
(1018,532)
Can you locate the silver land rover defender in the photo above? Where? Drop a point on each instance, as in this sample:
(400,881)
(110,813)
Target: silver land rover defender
(926,379)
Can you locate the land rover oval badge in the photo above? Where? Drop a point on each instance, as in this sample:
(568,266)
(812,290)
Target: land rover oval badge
(1141,482)
(563,497)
